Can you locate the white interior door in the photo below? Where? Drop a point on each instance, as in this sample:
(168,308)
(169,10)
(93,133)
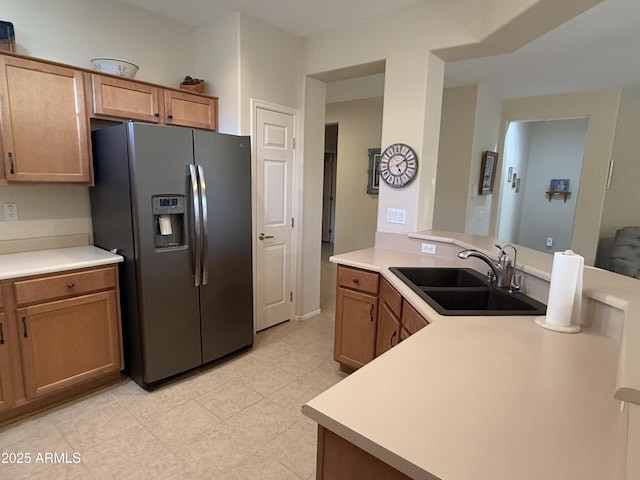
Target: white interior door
(274,216)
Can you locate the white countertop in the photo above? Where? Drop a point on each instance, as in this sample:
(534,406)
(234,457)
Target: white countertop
(479,398)
(485,397)
(14,265)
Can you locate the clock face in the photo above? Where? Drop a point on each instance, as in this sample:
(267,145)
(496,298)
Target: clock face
(398,165)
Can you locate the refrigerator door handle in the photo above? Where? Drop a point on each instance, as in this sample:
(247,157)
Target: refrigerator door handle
(205,226)
(198,227)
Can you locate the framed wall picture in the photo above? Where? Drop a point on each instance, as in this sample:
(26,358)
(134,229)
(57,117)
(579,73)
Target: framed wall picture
(488,172)
(373,185)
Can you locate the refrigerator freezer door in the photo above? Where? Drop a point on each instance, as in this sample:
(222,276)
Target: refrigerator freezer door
(226,301)
(169,313)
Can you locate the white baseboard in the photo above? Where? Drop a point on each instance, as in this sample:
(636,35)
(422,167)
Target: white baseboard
(309,315)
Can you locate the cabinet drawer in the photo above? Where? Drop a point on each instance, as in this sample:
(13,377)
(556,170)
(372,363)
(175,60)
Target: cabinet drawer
(355,279)
(390,296)
(412,321)
(55,286)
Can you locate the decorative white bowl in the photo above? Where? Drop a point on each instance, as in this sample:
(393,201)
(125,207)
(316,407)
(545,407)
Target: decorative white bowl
(115,66)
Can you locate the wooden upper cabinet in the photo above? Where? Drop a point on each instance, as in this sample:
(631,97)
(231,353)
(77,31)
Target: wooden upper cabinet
(44,122)
(115,97)
(190,110)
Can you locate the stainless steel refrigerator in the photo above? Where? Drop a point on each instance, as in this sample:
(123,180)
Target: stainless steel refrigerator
(176,204)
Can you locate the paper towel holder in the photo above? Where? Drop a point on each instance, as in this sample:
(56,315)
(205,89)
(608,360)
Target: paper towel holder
(569,275)
(542,321)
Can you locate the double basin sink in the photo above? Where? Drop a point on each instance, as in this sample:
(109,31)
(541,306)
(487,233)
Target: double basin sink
(463,291)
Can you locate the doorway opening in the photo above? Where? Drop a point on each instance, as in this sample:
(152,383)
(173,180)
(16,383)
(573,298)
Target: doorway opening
(329,187)
(540,158)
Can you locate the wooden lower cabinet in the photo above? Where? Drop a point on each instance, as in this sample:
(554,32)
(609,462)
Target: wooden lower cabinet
(6,390)
(388,334)
(67,342)
(371,317)
(339,459)
(356,319)
(62,337)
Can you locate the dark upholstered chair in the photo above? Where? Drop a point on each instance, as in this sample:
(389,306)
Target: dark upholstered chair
(625,256)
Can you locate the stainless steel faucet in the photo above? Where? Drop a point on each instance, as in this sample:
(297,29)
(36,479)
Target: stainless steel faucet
(503,270)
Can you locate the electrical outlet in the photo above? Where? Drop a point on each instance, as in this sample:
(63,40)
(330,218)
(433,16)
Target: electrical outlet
(428,248)
(10,212)
(549,241)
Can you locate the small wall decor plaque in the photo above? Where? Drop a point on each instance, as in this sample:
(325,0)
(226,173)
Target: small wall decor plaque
(488,172)
(559,186)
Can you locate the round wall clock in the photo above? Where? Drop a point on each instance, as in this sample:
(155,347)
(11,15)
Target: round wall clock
(398,165)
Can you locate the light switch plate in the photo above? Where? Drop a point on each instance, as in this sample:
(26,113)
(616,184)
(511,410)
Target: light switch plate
(396,215)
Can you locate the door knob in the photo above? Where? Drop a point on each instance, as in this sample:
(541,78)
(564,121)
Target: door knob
(262,236)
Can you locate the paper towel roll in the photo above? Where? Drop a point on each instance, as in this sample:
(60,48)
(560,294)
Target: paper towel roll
(165,224)
(565,292)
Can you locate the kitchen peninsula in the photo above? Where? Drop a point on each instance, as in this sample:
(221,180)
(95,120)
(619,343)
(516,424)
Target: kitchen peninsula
(490,397)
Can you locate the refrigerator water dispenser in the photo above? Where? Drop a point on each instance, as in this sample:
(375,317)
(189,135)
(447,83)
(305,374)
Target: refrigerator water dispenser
(169,221)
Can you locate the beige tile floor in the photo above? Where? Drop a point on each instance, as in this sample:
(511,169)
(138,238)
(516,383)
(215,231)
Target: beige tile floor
(237,419)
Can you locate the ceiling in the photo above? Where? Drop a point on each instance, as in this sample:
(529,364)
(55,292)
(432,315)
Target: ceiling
(597,49)
(299,17)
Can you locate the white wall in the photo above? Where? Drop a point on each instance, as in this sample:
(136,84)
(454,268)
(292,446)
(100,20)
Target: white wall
(456,144)
(516,159)
(470,126)
(485,137)
(368,86)
(218,62)
(556,149)
(309,194)
(73,32)
(270,67)
(622,199)
(359,129)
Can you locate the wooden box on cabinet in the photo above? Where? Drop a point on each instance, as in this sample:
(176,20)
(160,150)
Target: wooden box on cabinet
(44,123)
(356,317)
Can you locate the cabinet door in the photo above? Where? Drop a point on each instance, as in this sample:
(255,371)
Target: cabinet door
(45,127)
(388,332)
(115,97)
(412,321)
(67,342)
(6,392)
(190,110)
(356,317)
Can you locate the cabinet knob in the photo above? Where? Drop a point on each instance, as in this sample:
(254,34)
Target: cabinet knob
(71,285)
(170,117)
(356,281)
(156,114)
